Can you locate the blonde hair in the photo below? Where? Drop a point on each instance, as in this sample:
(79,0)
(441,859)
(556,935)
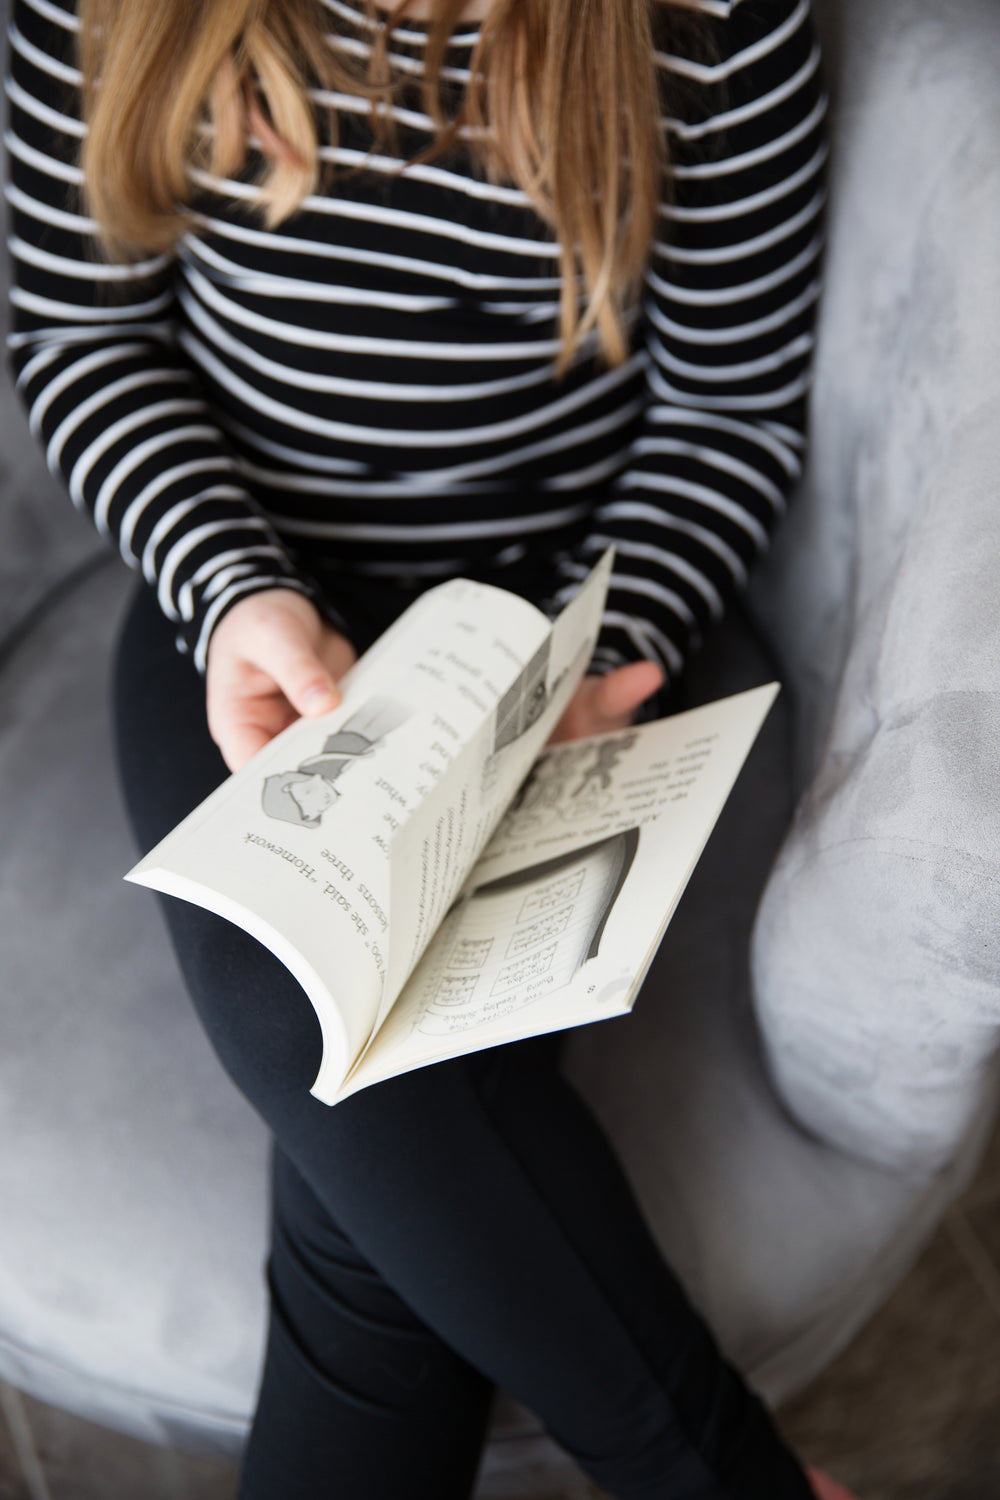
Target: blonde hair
(563,101)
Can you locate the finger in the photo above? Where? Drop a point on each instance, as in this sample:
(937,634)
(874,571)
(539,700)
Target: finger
(603,704)
(291,660)
(337,653)
(621,692)
(239,743)
(241,723)
(584,717)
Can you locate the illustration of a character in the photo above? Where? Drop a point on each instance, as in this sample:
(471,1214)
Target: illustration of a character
(608,754)
(302,796)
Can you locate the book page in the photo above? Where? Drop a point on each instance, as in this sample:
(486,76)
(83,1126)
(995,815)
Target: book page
(564,910)
(295,848)
(434,852)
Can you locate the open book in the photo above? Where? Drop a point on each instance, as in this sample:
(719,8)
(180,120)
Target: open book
(434,881)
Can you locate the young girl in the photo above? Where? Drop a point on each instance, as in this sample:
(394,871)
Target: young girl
(317,306)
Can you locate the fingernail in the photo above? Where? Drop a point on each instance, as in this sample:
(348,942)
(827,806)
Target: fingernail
(318,698)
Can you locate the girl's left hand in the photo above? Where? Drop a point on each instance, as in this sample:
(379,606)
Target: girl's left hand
(272,657)
(604,703)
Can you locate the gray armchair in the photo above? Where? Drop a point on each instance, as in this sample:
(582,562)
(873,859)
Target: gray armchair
(795,1120)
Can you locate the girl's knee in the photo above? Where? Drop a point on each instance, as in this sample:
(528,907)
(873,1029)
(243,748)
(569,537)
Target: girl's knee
(256,1015)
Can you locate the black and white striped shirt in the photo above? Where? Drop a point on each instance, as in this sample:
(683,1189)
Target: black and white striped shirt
(369,388)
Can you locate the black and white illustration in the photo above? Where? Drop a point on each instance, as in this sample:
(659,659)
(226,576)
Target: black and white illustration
(570,783)
(598,776)
(525,936)
(525,700)
(530,694)
(303,795)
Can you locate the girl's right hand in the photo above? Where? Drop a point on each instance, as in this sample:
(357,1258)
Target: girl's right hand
(272,659)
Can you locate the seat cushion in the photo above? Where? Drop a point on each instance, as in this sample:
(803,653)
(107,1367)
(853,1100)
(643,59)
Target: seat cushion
(133,1177)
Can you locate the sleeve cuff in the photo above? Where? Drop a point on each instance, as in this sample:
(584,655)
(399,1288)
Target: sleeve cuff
(193,637)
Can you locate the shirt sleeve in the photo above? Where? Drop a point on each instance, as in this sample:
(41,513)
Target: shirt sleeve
(727,313)
(114,403)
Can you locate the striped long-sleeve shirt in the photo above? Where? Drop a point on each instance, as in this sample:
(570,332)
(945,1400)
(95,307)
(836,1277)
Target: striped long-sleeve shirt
(370,387)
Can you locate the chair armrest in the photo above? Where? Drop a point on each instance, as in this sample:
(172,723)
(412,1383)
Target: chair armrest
(876,959)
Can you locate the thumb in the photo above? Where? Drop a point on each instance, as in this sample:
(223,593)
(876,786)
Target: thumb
(291,658)
(621,691)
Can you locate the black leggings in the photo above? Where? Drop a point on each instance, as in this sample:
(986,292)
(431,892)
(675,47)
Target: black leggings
(463,1227)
